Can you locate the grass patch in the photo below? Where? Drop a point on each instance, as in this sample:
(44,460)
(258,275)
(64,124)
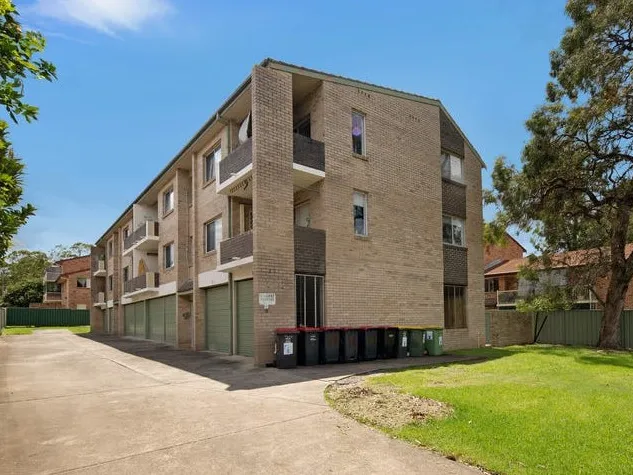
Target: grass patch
(27,330)
(537,409)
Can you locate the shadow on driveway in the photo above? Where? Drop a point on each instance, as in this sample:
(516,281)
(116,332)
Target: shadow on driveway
(239,373)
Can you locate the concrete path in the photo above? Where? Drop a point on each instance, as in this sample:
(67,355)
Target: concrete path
(81,405)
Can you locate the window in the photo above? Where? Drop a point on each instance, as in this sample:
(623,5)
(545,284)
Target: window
(126,274)
(110,247)
(126,232)
(454,306)
(246,217)
(168,255)
(168,201)
(211,161)
(360,213)
(358,133)
(110,284)
(453,230)
(212,235)
(82,282)
(302,215)
(309,294)
(492,285)
(303,127)
(452,167)
(82,306)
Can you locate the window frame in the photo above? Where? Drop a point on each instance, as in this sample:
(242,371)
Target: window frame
(110,283)
(217,223)
(301,294)
(301,206)
(455,220)
(169,246)
(451,321)
(169,192)
(365,195)
(85,286)
(450,177)
(494,281)
(126,273)
(363,142)
(211,154)
(110,248)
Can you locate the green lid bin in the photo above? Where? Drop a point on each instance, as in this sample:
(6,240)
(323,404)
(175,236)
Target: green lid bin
(416,341)
(433,341)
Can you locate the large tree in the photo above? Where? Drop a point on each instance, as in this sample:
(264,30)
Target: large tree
(77,249)
(575,187)
(19,50)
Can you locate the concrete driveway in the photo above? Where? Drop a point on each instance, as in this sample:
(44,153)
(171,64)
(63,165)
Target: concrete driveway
(109,405)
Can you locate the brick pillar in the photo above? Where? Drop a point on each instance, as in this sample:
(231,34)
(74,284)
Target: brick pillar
(184,314)
(97,284)
(183,191)
(273,231)
(117,287)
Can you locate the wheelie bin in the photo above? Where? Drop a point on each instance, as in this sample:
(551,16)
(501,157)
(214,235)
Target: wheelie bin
(433,343)
(349,345)
(403,342)
(309,346)
(416,341)
(330,345)
(286,347)
(388,342)
(368,343)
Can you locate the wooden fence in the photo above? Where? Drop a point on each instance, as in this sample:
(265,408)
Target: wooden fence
(45,317)
(574,327)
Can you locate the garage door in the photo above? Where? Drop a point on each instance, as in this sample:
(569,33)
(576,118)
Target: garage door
(244,302)
(139,320)
(218,319)
(156,320)
(170,319)
(128,316)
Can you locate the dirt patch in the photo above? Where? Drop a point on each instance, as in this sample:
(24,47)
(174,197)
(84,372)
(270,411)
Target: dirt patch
(381,405)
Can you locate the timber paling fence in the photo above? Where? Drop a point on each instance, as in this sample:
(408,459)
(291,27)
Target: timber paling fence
(43,317)
(578,327)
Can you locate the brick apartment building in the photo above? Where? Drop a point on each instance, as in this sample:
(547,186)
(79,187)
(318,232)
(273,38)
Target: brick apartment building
(346,203)
(67,284)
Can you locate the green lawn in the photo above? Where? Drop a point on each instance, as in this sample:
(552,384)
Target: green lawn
(540,409)
(29,330)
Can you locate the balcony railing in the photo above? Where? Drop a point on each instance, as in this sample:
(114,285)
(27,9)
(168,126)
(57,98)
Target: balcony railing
(236,248)
(306,152)
(101,269)
(99,300)
(490,299)
(52,273)
(145,230)
(52,296)
(148,281)
(507,298)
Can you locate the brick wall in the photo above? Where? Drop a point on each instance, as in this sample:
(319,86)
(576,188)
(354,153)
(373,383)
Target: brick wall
(510,328)
(273,245)
(451,139)
(510,250)
(453,199)
(309,250)
(240,246)
(455,265)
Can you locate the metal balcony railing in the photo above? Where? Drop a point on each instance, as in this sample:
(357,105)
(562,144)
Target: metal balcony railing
(148,228)
(507,298)
(149,280)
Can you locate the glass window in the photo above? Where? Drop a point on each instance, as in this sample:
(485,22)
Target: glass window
(126,232)
(492,285)
(453,230)
(212,235)
(211,161)
(454,306)
(168,201)
(358,133)
(303,127)
(309,300)
(110,248)
(302,215)
(126,274)
(452,167)
(360,213)
(82,282)
(168,253)
(110,286)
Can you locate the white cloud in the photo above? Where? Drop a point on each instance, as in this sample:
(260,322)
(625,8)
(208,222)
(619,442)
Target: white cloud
(107,16)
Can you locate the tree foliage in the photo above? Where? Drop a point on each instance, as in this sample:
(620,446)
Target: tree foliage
(23,294)
(77,249)
(19,61)
(575,187)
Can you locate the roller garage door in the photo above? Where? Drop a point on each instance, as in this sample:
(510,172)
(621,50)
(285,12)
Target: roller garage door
(128,316)
(218,319)
(139,320)
(156,320)
(244,304)
(170,319)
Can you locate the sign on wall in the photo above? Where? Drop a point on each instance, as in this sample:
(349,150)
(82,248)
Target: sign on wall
(267,299)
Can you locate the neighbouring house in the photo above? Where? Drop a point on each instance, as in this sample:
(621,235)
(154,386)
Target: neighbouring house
(67,284)
(307,199)
(503,286)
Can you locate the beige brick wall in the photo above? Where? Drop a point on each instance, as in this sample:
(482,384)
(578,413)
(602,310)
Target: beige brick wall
(394,276)
(273,239)
(511,328)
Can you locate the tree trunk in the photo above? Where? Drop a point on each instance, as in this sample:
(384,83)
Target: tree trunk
(610,327)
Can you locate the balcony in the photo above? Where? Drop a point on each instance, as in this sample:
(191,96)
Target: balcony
(100,300)
(101,269)
(236,252)
(143,284)
(490,299)
(52,274)
(144,238)
(507,298)
(53,297)
(236,169)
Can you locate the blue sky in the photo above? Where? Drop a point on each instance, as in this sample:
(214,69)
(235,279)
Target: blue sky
(137,78)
